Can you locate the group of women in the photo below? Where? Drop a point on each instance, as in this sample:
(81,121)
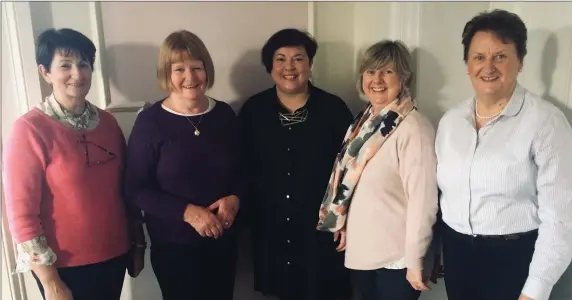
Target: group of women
(337,206)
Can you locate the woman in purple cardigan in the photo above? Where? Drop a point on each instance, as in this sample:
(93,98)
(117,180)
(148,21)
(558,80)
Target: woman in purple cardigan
(183,172)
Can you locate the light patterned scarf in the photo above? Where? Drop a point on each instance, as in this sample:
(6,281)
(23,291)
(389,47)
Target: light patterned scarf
(363,138)
(87,120)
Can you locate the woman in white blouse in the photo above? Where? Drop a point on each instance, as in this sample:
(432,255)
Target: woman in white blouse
(505,173)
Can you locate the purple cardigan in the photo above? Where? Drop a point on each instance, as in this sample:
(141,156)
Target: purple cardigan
(168,167)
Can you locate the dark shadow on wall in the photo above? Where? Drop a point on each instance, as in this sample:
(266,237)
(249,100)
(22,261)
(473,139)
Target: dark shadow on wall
(428,81)
(248,77)
(41,15)
(132,72)
(550,58)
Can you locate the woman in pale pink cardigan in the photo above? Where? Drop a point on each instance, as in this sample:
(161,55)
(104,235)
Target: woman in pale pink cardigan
(63,175)
(386,170)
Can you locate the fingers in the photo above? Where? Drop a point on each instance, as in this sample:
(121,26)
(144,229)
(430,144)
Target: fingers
(415,278)
(214,206)
(225,217)
(342,245)
(419,285)
(213,228)
(217,227)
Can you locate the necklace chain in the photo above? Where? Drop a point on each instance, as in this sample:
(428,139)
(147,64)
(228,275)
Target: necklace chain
(197,132)
(477,111)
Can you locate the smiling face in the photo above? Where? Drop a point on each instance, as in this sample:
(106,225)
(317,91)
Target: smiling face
(188,79)
(291,69)
(69,76)
(492,65)
(381,86)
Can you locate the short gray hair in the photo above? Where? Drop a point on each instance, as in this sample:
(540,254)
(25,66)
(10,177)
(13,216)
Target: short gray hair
(380,54)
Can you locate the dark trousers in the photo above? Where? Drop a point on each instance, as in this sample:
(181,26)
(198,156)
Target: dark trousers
(383,284)
(97,281)
(204,270)
(486,268)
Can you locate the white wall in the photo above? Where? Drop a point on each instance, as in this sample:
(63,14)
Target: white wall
(128,36)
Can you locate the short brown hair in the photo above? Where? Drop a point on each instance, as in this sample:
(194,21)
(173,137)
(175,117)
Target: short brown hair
(382,53)
(177,47)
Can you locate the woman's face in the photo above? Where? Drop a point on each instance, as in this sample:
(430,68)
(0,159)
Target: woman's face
(291,69)
(69,76)
(189,79)
(381,86)
(492,65)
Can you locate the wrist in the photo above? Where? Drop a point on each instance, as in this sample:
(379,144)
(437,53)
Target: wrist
(52,282)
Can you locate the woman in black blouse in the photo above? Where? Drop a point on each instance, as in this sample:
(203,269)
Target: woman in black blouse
(292,133)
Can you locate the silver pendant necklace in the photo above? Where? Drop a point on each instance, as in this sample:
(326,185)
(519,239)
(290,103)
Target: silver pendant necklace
(197,132)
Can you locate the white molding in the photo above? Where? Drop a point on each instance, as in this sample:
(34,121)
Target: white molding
(395,24)
(405,21)
(410,22)
(569,100)
(21,35)
(99,73)
(312,18)
(27,88)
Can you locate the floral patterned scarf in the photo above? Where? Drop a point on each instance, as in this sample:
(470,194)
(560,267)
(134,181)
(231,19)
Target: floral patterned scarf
(87,120)
(363,138)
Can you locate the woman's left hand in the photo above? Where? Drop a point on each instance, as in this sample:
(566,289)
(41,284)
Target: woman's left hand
(226,209)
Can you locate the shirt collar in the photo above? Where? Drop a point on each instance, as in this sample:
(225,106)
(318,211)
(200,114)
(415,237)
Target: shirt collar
(87,120)
(515,103)
(512,108)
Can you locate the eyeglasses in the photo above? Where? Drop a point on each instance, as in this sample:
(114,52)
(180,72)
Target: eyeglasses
(84,142)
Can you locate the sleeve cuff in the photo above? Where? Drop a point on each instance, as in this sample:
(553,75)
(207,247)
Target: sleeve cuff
(34,251)
(536,289)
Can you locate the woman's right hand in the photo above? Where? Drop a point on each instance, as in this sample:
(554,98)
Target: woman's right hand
(340,235)
(57,290)
(203,221)
(54,287)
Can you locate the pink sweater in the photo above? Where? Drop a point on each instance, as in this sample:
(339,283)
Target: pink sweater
(51,191)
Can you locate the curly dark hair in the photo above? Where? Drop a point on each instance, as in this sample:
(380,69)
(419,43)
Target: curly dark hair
(289,37)
(508,26)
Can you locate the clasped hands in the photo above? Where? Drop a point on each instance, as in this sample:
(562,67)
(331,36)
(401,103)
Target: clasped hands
(213,220)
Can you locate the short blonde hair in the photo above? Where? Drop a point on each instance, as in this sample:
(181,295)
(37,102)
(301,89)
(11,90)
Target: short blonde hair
(177,47)
(381,54)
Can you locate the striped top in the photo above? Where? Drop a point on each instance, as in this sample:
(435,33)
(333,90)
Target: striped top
(513,175)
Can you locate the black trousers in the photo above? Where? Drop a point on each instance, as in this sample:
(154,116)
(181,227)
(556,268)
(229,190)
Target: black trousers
(382,284)
(204,270)
(486,268)
(97,281)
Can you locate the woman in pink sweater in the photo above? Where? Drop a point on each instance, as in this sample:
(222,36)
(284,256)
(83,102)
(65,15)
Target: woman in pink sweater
(382,193)
(63,171)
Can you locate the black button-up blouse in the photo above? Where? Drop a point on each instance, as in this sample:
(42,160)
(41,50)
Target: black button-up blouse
(288,168)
